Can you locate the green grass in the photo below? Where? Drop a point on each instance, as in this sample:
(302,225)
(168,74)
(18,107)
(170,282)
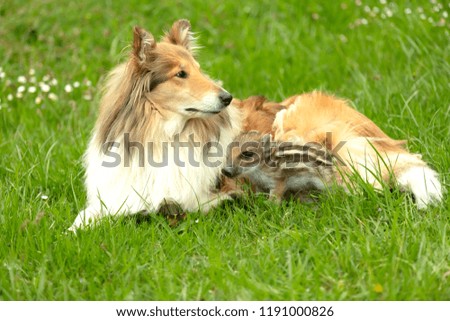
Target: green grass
(368,246)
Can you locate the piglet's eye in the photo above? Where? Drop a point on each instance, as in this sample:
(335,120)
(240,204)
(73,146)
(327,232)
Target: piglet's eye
(247,155)
(182,74)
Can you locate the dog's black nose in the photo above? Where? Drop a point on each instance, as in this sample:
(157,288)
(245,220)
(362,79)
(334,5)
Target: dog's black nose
(227,171)
(226,98)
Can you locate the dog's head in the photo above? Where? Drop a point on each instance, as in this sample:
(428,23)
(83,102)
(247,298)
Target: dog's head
(168,75)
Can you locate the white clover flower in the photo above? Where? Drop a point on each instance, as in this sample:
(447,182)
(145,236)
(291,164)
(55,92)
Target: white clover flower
(54,82)
(20,89)
(38,100)
(44,197)
(22,79)
(46,78)
(343,38)
(444,14)
(44,87)
(423,16)
(364,21)
(87,96)
(33,79)
(76,84)
(68,88)
(19,95)
(388,12)
(32,89)
(10,97)
(88,83)
(52,96)
(383,1)
(31,72)
(2,74)
(408,11)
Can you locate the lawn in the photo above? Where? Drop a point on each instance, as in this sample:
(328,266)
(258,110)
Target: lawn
(391,60)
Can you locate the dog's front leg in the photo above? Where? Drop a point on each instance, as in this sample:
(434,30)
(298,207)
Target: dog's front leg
(87,217)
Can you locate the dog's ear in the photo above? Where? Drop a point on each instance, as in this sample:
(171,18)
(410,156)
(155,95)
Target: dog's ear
(143,44)
(181,34)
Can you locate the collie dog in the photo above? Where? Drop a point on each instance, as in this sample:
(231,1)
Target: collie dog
(159,133)
(358,145)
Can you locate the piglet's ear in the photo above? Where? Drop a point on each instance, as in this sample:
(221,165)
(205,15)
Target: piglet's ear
(267,138)
(181,34)
(143,44)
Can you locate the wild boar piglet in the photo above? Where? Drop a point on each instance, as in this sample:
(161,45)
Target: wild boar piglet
(282,169)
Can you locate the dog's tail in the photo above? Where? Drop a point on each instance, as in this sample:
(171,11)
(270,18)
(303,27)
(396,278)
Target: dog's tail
(377,167)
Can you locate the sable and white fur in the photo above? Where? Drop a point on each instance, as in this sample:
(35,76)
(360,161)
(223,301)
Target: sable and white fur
(359,144)
(160,96)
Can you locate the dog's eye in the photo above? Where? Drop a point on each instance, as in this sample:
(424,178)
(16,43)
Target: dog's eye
(247,155)
(182,74)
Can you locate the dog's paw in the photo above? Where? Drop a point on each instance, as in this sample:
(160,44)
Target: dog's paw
(85,218)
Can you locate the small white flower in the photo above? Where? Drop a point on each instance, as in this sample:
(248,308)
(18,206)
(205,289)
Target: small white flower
(32,89)
(22,79)
(197,220)
(68,88)
(31,72)
(33,79)
(38,100)
(364,21)
(87,96)
(10,97)
(44,197)
(88,83)
(2,74)
(383,1)
(423,16)
(54,82)
(44,87)
(76,84)
(20,89)
(46,78)
(408,11)
(367,9)
(444,14)
(19,95)
(52,96)
(419,9)
(388,12)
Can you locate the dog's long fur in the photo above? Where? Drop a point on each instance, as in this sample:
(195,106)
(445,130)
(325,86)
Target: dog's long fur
(160,96)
